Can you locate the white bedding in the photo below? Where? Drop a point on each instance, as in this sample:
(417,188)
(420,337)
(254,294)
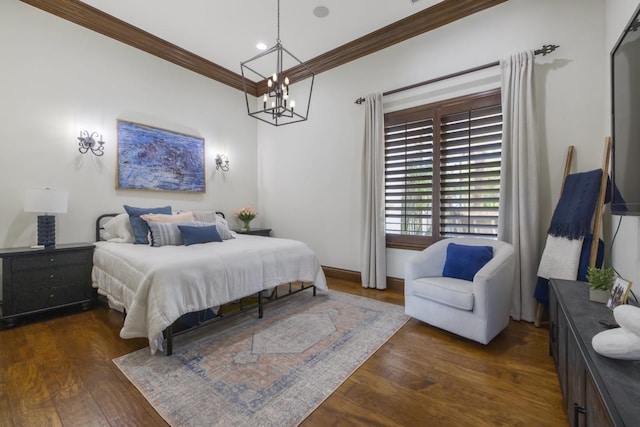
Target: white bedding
(156,285)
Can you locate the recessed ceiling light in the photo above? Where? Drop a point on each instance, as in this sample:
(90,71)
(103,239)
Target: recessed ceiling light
(320,11)
(261,46)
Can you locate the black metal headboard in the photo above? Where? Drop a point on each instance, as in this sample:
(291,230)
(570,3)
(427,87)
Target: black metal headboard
(111,215)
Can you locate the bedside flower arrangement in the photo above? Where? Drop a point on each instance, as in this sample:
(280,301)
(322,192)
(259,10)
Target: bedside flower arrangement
(246,215)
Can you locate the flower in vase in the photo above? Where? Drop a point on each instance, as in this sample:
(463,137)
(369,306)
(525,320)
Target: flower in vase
(246,215)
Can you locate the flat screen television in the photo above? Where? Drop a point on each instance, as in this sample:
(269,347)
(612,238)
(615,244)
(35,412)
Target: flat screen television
(625,120)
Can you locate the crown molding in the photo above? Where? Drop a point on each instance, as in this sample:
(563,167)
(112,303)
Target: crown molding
(426,20)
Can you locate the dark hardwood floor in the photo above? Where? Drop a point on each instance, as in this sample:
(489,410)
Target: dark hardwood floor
(58,371)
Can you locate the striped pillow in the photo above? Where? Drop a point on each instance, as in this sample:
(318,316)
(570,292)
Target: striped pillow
(168,233)
(223,231)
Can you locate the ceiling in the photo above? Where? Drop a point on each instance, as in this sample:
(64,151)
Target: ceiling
(226,32)
(212,37)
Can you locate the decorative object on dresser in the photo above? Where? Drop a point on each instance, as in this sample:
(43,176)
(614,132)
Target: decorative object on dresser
(37,280)
(622,342)
(46,201)
(255,231)
(619,292)
(600,281)
(90,141)
(150,158)
(597,390)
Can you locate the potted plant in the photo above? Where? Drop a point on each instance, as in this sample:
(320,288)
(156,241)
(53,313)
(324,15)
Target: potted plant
(600,281)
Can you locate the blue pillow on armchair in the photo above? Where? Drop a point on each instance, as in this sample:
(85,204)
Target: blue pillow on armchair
(464,261)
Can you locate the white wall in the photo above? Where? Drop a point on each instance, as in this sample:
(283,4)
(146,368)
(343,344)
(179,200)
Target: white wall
(625,253)
(310,173)
(57,78)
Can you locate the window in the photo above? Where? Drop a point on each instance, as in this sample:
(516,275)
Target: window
(442,170)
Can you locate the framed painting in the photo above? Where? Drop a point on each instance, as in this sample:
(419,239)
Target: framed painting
(156,159)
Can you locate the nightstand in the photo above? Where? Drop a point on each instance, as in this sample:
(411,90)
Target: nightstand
(255,231)
(37,280)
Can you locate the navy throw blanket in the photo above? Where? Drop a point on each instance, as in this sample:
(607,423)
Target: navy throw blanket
(573,214)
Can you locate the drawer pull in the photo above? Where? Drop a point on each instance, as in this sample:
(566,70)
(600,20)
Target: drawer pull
(51,276)
(52,259)
(51,296)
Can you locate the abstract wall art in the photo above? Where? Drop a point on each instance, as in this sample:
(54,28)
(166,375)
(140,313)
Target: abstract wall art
(156,159)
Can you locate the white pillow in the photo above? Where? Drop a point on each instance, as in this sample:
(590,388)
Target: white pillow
(205,216)
(223,231)
(119,229)
(219,218)
(179,217)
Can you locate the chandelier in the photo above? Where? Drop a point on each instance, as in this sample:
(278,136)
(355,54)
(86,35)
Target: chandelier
(279,104)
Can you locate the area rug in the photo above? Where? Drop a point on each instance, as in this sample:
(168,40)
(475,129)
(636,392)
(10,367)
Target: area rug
(272,371)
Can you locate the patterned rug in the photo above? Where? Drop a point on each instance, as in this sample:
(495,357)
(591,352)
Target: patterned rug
(273,371)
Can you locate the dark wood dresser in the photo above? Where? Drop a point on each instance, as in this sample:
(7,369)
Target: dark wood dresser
(36,280)
(597,390)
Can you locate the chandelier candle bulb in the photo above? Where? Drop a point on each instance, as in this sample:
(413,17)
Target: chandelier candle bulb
(286,81)
(275,77)
(269,83)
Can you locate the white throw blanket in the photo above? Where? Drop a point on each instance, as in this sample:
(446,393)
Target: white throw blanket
(561,258)
(157,285)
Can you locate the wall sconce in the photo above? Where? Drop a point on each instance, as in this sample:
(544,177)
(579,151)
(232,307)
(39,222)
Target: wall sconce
(90,141)
(222,162)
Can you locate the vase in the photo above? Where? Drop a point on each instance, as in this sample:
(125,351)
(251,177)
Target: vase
(598,295)
(246,226)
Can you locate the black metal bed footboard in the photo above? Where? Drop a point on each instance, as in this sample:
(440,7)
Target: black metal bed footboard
(169,332)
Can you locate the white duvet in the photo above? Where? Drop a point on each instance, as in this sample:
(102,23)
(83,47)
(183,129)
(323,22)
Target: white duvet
(157,285)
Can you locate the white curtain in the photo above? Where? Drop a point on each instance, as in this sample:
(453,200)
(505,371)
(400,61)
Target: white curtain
(373,256)
(519,221)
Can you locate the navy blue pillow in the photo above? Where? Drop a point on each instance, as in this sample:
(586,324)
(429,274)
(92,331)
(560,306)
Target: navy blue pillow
(140,227)
(192,235)
(463,261)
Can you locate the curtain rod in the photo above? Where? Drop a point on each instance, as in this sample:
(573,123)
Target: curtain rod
(546,49)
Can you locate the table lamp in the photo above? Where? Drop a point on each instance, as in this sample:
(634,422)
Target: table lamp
(46,201)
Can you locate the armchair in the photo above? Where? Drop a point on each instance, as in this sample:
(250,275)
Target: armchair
(477,309)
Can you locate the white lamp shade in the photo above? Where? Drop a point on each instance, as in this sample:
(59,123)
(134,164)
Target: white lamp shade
(46,201)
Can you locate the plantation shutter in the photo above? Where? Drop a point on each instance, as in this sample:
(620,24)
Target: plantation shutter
(470,146)
(408,177)
(442,170)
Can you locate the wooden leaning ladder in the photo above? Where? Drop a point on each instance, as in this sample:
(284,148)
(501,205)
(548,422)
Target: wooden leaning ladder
(597,219)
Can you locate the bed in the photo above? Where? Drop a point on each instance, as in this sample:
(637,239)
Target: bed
(155,286)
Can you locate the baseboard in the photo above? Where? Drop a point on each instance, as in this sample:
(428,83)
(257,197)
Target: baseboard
(342,274)
(395,283)
(355,277)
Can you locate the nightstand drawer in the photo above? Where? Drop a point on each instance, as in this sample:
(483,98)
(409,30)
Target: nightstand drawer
(50,260)
(47,277)
(55,296)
